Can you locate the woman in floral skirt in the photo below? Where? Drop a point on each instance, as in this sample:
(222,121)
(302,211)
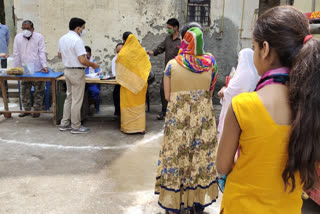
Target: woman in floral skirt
(186,175)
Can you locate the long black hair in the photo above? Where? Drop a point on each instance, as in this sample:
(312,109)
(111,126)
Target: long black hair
(285,29)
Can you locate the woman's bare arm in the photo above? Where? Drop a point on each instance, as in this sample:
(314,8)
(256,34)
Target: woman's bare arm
(167,87)
(229,143)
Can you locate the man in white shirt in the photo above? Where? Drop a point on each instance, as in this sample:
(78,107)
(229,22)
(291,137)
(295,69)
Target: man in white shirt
(118,48)
(116,90)
(73,54)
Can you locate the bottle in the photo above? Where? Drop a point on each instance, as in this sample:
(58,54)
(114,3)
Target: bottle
(101,74)
(10,63)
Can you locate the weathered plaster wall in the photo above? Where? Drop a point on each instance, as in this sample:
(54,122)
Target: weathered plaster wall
(106,22)
(230,33)
(108,19)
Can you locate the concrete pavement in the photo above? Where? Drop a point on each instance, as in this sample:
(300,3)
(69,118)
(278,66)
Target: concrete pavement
(43,170)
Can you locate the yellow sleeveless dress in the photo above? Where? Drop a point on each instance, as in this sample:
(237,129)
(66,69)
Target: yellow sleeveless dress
(255,184)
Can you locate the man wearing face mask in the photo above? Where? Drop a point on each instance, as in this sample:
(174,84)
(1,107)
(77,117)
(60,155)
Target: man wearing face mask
(73,55)
(171,48)
(29,48)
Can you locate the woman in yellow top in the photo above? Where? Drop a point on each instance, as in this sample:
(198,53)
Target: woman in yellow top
(278,143)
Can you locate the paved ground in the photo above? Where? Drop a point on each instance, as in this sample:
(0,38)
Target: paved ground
(43,170)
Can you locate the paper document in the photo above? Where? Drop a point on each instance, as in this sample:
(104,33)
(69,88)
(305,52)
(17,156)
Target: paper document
(92,75)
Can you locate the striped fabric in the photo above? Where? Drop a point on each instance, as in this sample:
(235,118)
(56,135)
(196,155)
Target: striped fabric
(192,56)
(276,76)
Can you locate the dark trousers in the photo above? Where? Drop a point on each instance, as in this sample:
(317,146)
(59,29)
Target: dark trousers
(163,98)
(116,100)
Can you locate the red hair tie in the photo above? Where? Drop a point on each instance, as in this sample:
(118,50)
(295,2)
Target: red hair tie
(307,38)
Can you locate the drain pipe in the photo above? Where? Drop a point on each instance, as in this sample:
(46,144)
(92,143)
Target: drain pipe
(222,22)
(242,16)
(313,5)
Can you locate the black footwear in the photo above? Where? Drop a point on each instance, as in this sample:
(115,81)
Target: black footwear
(161,116)
(23,114)
(35,115)
(199,209)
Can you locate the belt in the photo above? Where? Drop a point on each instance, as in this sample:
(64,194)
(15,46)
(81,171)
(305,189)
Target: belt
(75,68)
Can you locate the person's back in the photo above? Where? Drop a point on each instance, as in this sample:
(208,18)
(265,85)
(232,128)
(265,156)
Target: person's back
(245,79)
(189,135)
(183,79)
(275,99)
(4,38)
(255,183)
(68,47)
(275,128)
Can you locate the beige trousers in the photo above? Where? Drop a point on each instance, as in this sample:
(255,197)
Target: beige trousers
(75,80)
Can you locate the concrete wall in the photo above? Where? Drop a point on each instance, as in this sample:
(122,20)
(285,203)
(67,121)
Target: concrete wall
(230,29)
(230,33)
(306,5)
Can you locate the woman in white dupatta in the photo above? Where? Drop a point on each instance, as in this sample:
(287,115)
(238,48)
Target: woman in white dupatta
(245,79)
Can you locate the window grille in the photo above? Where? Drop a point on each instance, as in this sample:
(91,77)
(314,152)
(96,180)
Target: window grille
(199,11)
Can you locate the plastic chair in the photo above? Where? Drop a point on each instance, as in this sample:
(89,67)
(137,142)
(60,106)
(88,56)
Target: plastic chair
(95,100)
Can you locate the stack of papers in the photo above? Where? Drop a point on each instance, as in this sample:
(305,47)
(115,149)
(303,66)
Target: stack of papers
(92,75)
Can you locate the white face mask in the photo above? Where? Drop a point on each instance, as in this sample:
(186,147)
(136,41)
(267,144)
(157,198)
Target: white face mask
(83,33)
(27,33)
